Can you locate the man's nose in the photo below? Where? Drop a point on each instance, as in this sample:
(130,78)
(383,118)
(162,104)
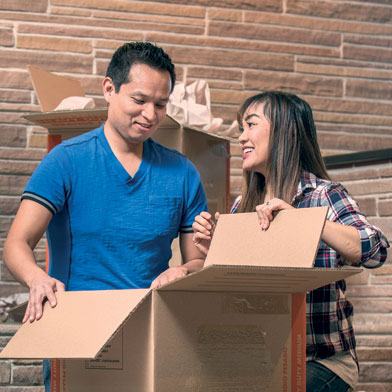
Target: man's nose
(148,111)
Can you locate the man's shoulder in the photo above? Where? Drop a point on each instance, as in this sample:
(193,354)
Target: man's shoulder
(77,147)
(82,140)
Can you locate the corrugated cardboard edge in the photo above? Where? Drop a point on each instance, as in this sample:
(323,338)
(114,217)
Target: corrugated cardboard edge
(196,280)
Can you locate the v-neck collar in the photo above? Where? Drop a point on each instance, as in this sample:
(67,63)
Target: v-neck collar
(116,164)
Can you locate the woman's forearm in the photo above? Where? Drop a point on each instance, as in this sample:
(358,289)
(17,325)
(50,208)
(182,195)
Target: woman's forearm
(345,240)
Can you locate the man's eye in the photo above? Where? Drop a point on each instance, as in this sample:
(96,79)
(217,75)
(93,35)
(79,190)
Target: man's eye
(160,105)
(138,101)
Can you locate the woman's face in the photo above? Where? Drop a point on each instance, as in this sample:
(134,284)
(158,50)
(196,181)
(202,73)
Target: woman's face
(254,139)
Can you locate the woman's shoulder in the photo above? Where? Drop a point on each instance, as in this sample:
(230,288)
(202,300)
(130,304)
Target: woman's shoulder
(321,186)
(316,191)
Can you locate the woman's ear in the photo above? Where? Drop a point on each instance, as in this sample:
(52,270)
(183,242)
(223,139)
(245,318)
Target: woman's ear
(108,88)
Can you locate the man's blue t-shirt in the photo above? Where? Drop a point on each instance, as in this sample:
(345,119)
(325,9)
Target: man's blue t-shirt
(110,230)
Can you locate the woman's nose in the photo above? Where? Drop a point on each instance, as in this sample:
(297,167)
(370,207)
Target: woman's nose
(243,136)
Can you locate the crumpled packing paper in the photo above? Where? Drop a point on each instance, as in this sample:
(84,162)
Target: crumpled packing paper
(76,103)
(7,303)
(191,106)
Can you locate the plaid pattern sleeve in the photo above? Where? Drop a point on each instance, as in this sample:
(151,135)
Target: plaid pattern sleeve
(235,205)
(343,209)
(329,314)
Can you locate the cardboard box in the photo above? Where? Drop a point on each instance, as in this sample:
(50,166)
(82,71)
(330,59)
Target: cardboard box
(236,325)
(209,153)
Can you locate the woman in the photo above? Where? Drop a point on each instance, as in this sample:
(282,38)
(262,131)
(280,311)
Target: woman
(283,169)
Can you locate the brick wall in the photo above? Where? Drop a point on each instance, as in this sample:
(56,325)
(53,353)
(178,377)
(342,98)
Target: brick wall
(336,54)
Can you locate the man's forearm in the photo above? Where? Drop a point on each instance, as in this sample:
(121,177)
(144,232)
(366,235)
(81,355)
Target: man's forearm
(194,265)
(20,261)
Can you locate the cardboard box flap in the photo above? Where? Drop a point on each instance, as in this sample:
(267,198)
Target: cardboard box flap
(291,240)
(259,279)
(72,120)
(78,327)
(51,89)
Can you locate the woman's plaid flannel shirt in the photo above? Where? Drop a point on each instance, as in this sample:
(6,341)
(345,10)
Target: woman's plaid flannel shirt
(329,314)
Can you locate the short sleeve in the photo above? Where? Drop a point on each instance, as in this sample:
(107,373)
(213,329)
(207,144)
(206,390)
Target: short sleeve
(50,183)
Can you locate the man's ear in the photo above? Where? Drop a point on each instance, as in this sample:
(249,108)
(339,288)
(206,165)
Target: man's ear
(108,88)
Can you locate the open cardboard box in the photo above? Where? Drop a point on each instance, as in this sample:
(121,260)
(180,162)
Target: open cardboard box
(236,325)
(210,153)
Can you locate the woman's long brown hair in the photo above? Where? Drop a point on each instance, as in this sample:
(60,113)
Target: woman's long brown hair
(293,148)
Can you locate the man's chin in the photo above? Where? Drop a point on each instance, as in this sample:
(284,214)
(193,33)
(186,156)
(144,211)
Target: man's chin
(139,138)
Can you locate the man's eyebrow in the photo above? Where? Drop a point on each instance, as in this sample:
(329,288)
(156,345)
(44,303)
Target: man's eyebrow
(249,116)
(140,94)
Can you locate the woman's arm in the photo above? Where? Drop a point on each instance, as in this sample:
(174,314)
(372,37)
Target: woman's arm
(345,240)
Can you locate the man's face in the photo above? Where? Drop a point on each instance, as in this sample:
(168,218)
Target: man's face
(140,105)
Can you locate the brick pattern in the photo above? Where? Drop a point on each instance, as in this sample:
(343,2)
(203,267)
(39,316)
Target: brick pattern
(336,54)
(18,375)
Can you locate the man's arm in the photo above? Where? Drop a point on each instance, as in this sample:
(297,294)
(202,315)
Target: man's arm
(193,261)
(192,257)
(27,229)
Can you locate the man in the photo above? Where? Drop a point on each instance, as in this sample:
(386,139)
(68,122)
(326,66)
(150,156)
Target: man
(111,200)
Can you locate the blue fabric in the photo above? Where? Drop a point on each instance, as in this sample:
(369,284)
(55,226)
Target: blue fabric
(110,230)
(46,371)
(321,379)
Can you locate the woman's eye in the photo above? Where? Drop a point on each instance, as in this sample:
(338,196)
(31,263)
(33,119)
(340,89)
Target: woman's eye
(250,124)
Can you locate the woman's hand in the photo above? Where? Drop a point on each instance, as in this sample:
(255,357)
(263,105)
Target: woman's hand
(203,228)
(265,212)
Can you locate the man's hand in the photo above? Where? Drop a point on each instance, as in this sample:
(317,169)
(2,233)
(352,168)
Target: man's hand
(167,276)
(30,223)
(192,258)
(42,287)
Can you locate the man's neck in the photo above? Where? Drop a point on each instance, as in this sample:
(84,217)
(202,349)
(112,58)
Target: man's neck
(130,155)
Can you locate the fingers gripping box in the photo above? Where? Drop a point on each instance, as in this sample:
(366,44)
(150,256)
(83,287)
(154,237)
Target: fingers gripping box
(236,325)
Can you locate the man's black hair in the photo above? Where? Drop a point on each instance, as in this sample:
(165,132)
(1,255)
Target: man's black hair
(138,53)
